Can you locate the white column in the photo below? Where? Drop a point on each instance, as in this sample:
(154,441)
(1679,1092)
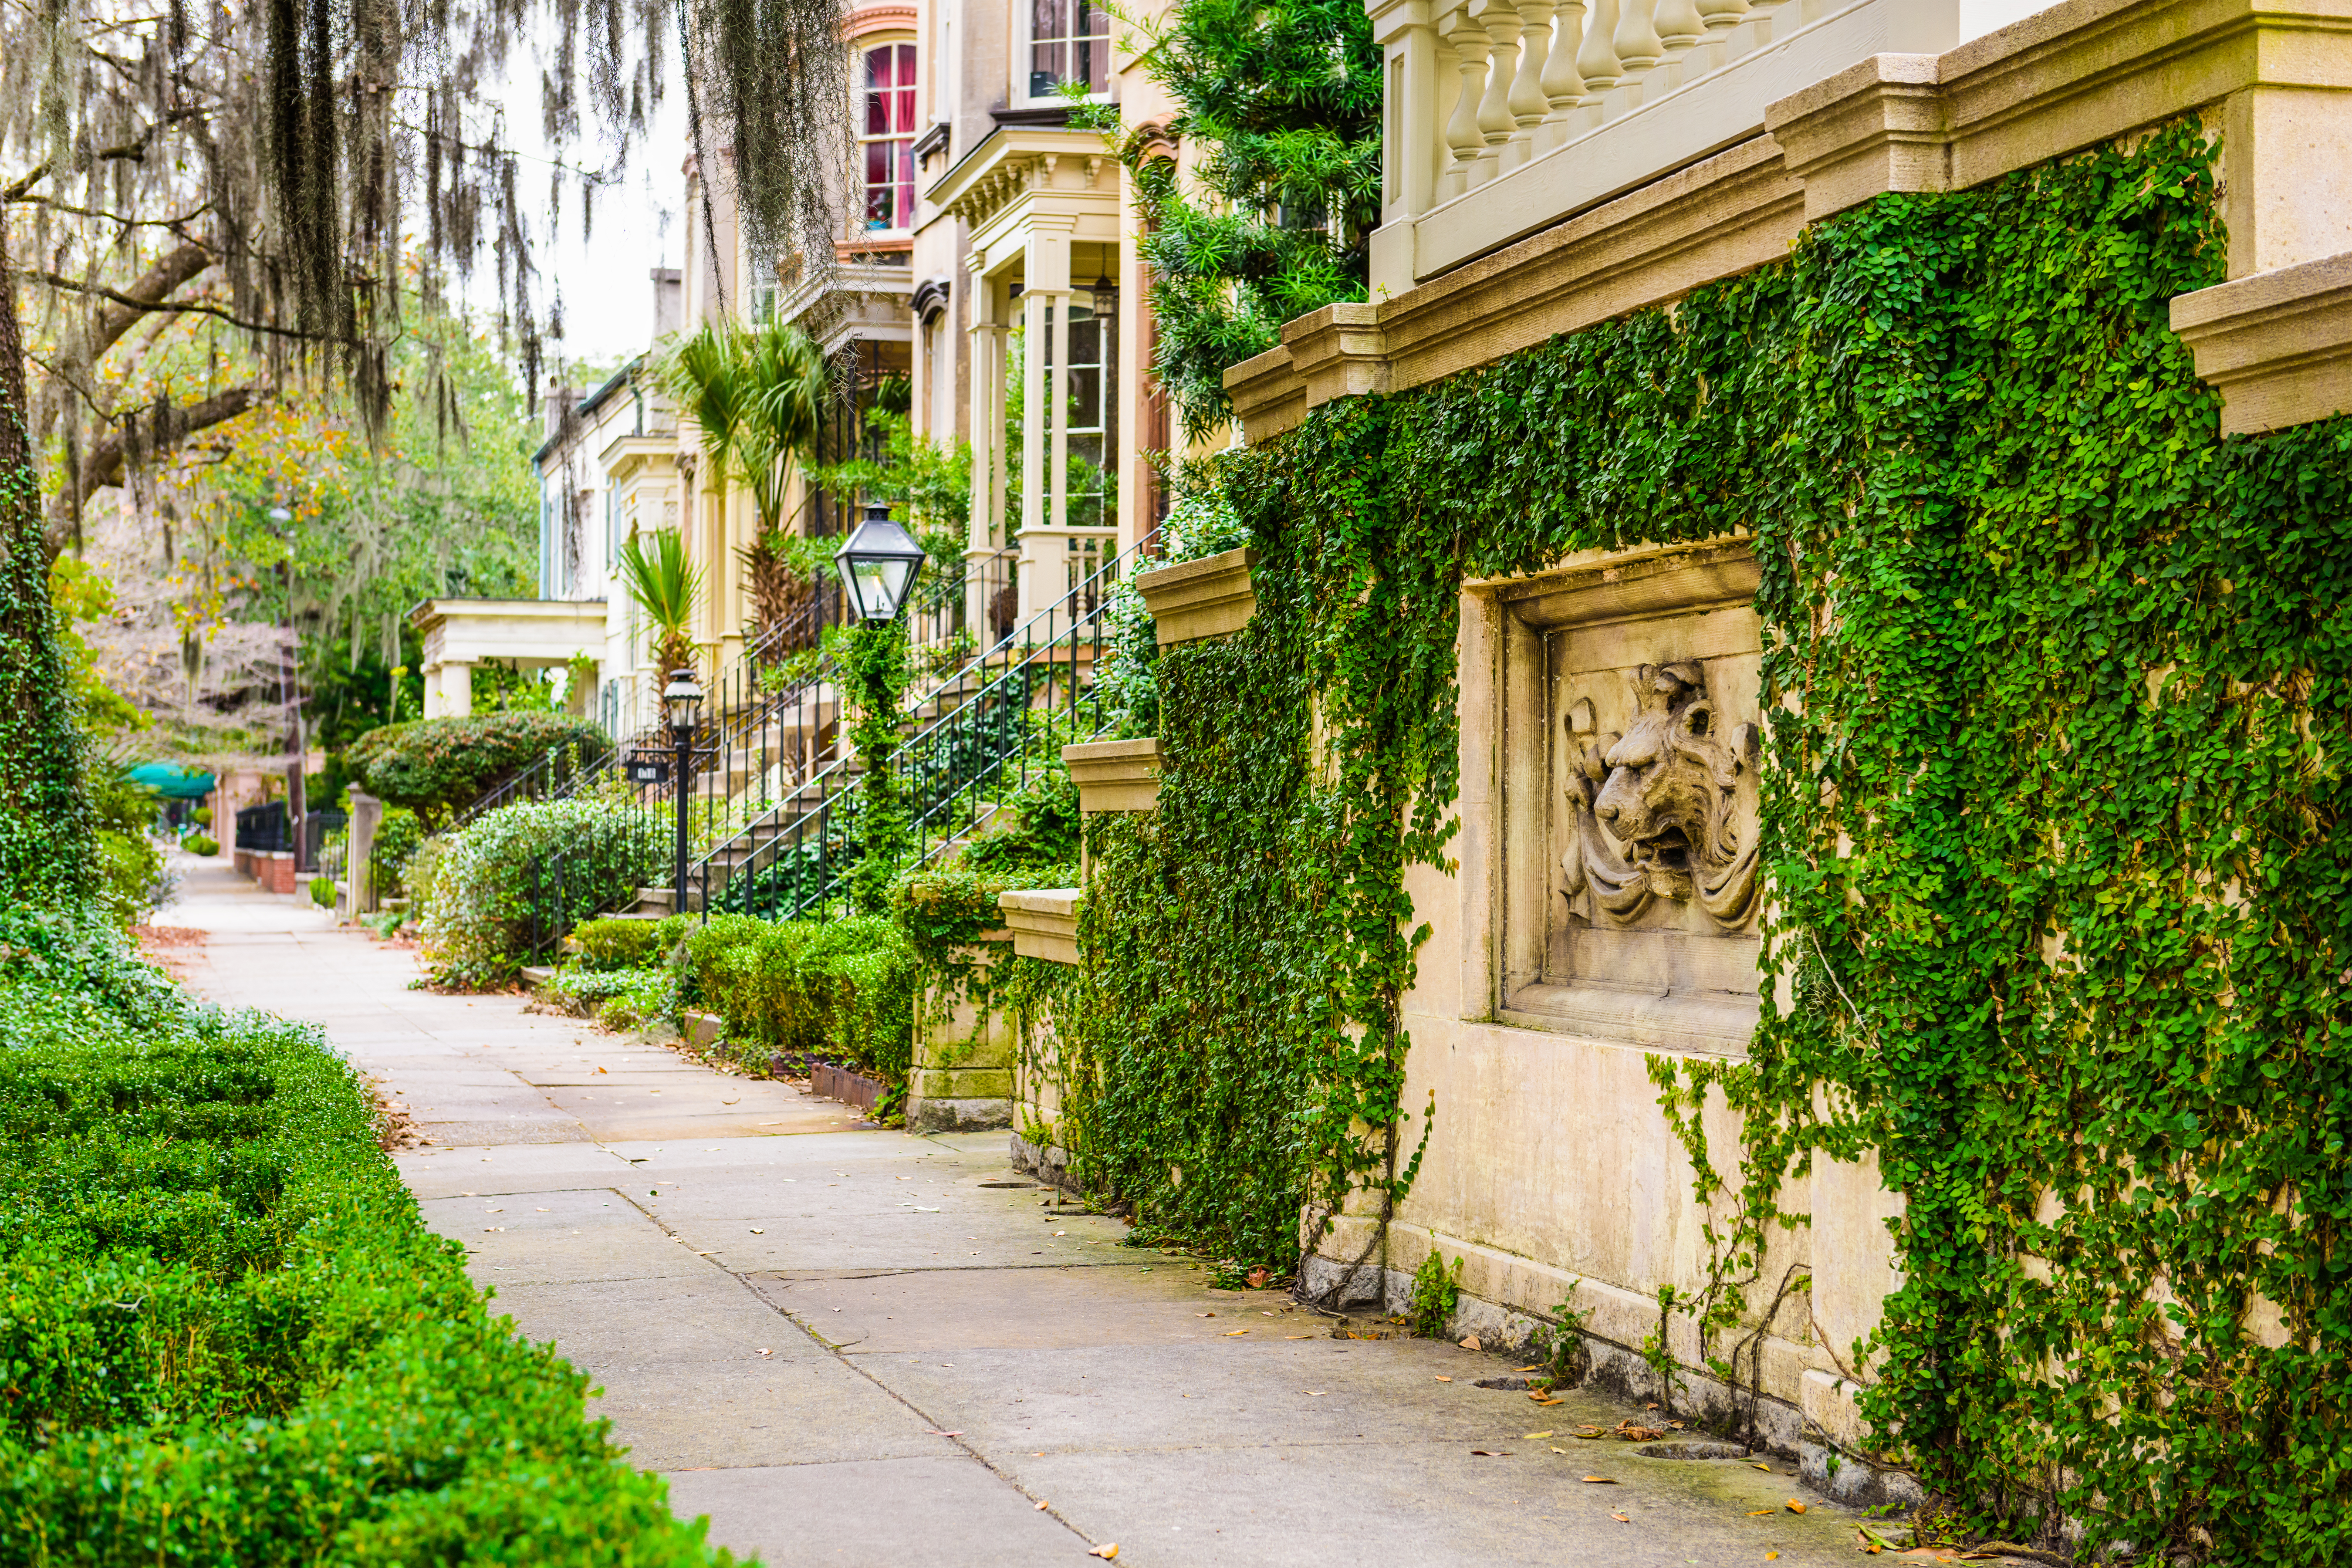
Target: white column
(1032,407)
(1057,410)
(457,689)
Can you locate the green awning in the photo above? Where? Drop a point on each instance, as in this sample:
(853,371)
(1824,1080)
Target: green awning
(173,781)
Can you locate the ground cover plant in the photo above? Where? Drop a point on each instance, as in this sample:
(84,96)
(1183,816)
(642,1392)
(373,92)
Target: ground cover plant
(841,989)
(227,1335)
(2072,676)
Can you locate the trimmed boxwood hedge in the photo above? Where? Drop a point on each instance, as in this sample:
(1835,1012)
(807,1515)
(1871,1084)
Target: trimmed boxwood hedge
(226,1335)
(434,766)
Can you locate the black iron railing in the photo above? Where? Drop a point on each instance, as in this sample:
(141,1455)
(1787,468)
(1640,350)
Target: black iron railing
(982,737)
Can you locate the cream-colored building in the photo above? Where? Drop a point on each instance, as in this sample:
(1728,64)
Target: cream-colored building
(1548,167)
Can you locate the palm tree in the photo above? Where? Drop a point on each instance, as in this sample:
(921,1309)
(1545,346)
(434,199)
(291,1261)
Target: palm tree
(663,586)
(760,396)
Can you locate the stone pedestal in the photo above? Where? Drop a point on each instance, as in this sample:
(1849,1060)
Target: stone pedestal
(961,1081)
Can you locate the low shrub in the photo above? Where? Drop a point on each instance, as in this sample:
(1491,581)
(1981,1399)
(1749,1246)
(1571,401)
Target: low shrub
(228,1336)
(397,838)
(202,816)
(200,844)
(432,766)
(322,892)
(842,988)
(608,944)
(538,866)
(130,875)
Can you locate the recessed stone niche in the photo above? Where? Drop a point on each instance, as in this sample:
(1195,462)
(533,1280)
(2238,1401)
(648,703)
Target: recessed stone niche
(1630,745)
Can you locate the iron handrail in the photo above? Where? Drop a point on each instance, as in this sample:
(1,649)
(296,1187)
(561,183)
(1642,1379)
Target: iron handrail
(819,839)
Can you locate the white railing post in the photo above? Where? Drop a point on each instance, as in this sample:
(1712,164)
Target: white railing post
(1414,146)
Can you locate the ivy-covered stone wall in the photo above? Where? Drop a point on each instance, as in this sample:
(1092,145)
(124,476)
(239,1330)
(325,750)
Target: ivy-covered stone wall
(2059,880)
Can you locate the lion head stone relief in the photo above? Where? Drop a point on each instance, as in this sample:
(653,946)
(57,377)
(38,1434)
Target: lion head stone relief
(1668,809)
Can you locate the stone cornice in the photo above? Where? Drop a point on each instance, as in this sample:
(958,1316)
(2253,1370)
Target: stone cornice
(2277,346)
(1011,161)
(2068,78)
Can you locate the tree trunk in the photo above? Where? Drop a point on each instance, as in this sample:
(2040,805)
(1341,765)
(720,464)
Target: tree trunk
(45,827)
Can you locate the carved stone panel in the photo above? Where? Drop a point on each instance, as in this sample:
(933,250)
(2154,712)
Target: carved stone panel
(1630,745)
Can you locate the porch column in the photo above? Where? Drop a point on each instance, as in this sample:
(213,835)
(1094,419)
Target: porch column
(1044,436)
(457,689)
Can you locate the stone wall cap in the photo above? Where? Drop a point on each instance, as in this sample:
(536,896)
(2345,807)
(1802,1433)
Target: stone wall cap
(1273,362)
(2309,284)
(1893,71)
(1112,751)
(1162,578)
(1042,900)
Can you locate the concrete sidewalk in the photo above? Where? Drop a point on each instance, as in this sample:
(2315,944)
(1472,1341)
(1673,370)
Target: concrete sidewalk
(853,1346)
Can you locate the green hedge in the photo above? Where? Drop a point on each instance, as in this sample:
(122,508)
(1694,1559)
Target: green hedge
(434,766)
(536,866)
(227,1335)
(842,988)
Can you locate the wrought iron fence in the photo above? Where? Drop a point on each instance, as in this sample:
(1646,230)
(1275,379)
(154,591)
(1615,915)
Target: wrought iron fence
(599,868)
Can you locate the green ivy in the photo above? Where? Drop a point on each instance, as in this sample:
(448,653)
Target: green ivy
(873,658)
(2057,682)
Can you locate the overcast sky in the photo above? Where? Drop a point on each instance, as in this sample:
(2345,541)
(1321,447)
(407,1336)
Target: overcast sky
(608,312)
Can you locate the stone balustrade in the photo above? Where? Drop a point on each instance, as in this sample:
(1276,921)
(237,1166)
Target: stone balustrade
(1507,116)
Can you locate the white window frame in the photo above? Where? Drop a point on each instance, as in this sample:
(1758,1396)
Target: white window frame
(863,45)
(1028,52)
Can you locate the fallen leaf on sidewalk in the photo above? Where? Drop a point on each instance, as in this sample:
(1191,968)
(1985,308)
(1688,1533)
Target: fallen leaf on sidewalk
(765,1352)
(1443,1378)
(757,1231)
(1769,1556)
(1598,1481)
(1231,1332)
(929,1432)
(1533,1435)
(1107,1550)
(1766,1468)
(1041,1505)
(1491,1453)
(1793,1506)
(1760,1513)
(1538,1367)
(1621,1519)
(1470,1342)
(1298,1336)
(1205,1315)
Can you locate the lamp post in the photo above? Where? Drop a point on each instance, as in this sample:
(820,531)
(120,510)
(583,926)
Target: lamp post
(879,565)
(682,700)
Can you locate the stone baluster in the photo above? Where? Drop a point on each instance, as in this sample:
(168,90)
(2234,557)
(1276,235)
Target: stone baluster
(1722,15)
(1679,25)
(1563,89)
(1638,46)
(1530,102)
(1597,62)
(1462,131)
(1499,20)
